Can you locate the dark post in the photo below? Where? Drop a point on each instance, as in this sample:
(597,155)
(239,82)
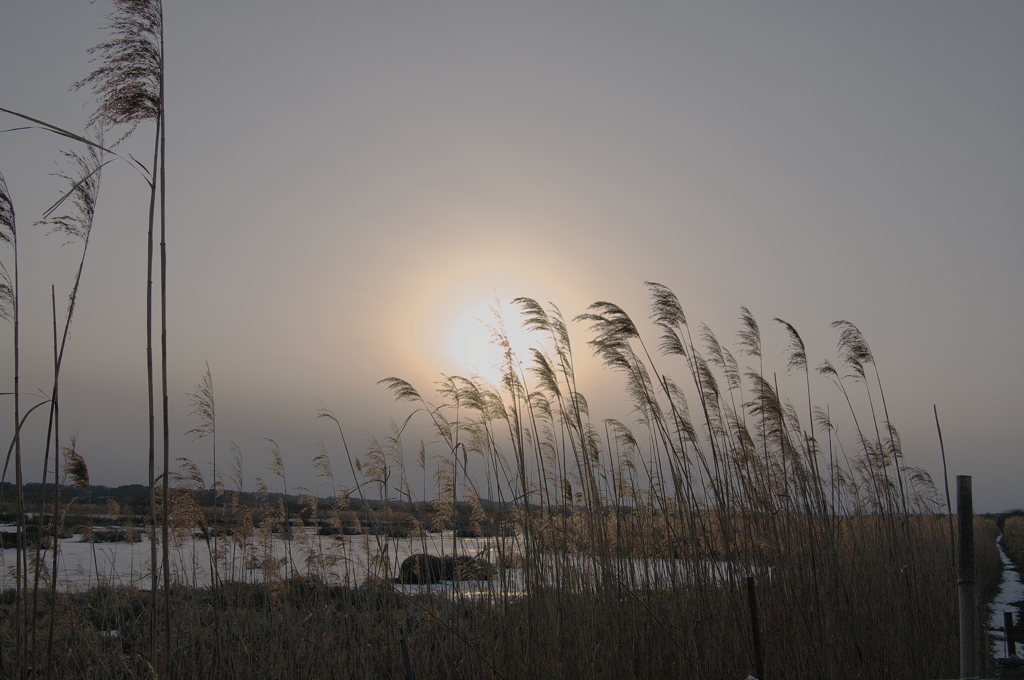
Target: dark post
(1011,643)
(966,583)
(408,661)
(755,628)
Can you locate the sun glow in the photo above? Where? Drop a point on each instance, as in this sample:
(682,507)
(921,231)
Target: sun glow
(473,341)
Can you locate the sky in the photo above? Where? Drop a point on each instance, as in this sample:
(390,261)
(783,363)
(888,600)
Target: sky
(349,184)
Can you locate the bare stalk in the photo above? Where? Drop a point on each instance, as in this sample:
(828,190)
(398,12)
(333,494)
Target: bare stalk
(9,311)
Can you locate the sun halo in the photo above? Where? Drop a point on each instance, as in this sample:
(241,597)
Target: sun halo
(474,345)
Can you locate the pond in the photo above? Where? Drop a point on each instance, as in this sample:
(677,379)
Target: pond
(343,560)
(337,560)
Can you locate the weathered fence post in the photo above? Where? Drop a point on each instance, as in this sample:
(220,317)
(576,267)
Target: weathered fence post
(966,584)
(1011,643)
(408,661)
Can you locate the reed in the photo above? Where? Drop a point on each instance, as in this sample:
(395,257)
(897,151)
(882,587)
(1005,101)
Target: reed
(129,88)
(1013,538)
(205,411)
(9,311)
(622,543)
(631,538)
(75,226)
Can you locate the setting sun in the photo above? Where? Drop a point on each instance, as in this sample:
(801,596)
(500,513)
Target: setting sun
(473,341)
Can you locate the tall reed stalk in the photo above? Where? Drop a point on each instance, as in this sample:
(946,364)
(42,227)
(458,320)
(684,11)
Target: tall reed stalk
(205,411)
(9,312)
(129,88)
(75,227)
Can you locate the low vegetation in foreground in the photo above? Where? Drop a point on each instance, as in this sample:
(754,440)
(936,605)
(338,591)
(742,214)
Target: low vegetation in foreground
(622,550)
(869,602)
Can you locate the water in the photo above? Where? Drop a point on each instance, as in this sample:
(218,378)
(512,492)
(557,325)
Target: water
(337,560)
(341,560)
(1011,594)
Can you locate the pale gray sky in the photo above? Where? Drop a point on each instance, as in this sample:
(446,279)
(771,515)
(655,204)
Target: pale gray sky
(348,180)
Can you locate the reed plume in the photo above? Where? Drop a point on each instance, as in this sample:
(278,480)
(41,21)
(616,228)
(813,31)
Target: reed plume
(205,411)
(8,237)
(75,468)
(128,83)
(128,86)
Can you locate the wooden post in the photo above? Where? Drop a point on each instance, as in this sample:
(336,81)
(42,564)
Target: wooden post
(408,661)
(966,583)
(755,628)
(1011,643)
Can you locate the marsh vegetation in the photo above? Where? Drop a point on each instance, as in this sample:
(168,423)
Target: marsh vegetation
(620,552)
(621,545)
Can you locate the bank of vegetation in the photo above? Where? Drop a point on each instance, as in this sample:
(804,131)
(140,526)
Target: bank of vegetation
(1013,537)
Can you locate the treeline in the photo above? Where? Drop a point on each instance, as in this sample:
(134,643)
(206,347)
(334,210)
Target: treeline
(134,498)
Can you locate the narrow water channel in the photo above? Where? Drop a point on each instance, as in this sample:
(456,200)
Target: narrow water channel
(1009,599)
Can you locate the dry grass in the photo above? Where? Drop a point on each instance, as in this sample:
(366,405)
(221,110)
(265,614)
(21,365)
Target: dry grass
(300,629)
(1013,538)
(634,543)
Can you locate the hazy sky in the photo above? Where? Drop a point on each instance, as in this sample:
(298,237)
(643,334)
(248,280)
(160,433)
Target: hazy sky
(349,182)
